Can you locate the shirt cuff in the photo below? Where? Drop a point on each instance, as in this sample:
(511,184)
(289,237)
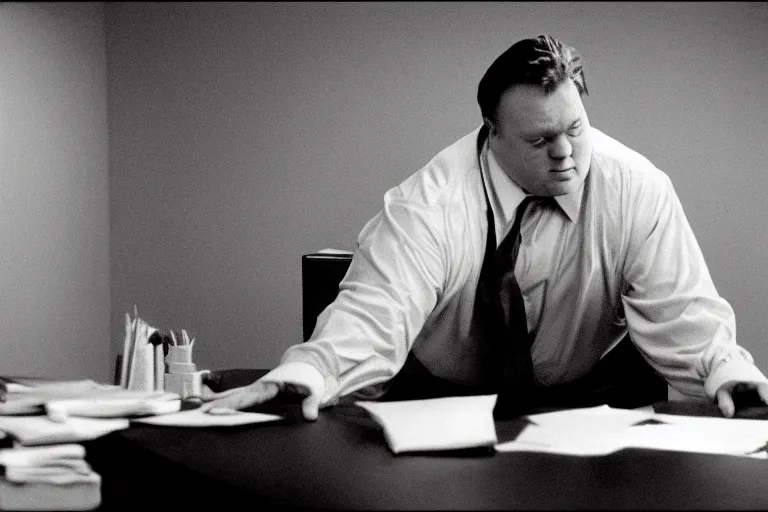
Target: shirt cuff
(736,370)
(306,374)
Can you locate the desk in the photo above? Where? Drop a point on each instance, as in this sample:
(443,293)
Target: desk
(341,461)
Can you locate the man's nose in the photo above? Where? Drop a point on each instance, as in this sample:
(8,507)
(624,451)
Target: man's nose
(560,148)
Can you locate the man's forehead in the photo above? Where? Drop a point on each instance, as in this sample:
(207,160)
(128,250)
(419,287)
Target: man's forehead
(531,110)
(547,128)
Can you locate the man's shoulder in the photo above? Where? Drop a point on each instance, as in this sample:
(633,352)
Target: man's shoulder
(616,163)
(610,150)
(454,169)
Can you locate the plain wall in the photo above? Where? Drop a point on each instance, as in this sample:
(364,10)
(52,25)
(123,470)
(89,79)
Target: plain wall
(54,213)
(245,135)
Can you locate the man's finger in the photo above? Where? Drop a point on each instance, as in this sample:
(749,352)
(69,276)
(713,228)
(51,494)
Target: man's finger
(725,402)
(208,394)
(310,407)
(244,397)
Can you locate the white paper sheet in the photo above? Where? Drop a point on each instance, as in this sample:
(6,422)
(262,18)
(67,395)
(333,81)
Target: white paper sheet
(196,418)
(436,424)
(603,430)
(689,438)
(86,398)
(36,430)
(23,398)
(121,404)
(41,455)
(591,419)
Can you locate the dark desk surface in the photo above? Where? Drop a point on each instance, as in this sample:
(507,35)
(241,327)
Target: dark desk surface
(341,461)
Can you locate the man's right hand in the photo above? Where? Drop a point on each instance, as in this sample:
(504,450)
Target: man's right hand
(297,378)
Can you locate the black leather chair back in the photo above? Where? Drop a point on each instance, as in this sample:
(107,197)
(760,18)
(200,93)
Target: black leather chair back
(321,274)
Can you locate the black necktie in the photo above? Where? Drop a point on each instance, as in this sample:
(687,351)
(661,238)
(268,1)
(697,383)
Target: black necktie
(515,382)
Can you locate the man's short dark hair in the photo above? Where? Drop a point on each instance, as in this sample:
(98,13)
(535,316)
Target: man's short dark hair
(542,61)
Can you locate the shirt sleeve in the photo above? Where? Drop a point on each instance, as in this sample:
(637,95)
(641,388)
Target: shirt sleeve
(392,285)
(675,316)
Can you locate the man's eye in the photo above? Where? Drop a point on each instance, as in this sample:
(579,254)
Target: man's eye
(538,143)
(573,132)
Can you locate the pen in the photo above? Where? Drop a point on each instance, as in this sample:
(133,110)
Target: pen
(763,448)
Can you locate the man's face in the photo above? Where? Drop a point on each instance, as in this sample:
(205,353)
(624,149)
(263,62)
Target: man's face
(542,140)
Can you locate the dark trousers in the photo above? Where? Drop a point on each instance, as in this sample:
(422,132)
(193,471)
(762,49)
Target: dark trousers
(620,379)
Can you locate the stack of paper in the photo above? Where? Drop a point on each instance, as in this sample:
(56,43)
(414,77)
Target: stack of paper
(29,396)
(56,476)
(59,464)
(48,478)
(37,430)
(436,424)
(602,430)
(76,410)
(118,404)
(85,398)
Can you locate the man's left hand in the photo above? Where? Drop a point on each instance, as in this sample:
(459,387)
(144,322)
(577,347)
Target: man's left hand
(724,395)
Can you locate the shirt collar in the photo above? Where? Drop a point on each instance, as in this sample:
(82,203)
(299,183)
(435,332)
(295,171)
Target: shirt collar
(508,194)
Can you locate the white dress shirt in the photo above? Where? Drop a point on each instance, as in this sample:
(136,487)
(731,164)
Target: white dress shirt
(616,254)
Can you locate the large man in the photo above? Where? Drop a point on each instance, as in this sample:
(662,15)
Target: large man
(603,254)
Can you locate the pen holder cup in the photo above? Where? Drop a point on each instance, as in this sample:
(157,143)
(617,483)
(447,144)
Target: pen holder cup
(179,354)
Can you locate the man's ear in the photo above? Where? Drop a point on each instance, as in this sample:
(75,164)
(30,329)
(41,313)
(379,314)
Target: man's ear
(491,126)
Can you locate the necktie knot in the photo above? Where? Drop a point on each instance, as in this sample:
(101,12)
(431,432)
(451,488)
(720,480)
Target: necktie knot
(506,254)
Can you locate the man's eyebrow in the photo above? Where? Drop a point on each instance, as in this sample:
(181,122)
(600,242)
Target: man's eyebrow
(550,132)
